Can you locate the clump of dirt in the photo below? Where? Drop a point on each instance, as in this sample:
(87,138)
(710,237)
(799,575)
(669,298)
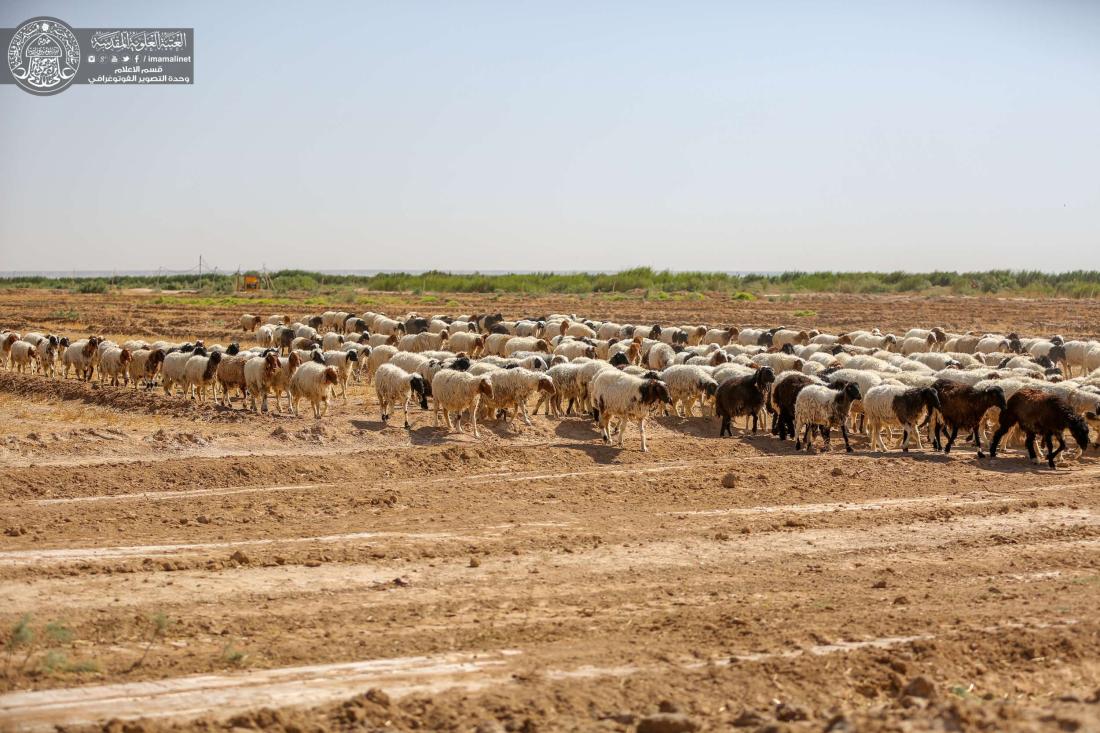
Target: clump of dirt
(164,439)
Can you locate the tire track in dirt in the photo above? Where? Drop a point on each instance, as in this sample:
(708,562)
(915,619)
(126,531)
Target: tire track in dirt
(590,564)
(23,557)
(505,477)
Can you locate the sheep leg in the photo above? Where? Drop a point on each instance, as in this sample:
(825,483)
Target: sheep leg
(755,416)
(951,441)
(844,434)
(1030,443)
(977,441)
(605,421)
(473,420)
(622,431)
(641,428)
(1051,452)
(407,400)
(725,428)
(523,409)
(824,438)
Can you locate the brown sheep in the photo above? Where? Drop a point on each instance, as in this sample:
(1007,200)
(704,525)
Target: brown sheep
(230,374)
(962,406)
(1040,413)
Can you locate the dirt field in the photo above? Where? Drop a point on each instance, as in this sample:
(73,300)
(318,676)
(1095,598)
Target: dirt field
(200,568)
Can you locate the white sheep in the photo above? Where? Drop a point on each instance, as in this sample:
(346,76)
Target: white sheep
(280,382)
(829,339)
(823,408)
(467,341)
(865,362)
(936,360)
(313,381)
(577,330)
(7,338)
(260,373)
(199,372)
(265,336)
(521,343)
(332,341)
(935,337)
(495,342)
(23,356)
(687,385)
(81,356)
(1077,355)
(456,392)
(628,398)
(394,386)
(990,344)
(790,336)
(344,361)
(423,342)
(779,362)
(512,388)
(660,356)
(379,355)
(888,342)
(46,356)
(608,330)
(385,326)
(721,336)
(753,337)
(917,344)
(172,369)
(897,404)
(115,362)
(573,349)
(568,389)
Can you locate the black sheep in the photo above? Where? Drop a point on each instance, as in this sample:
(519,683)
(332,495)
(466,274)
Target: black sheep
(742,396)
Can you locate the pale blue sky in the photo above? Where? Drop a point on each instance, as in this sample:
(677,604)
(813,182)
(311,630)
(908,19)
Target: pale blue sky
(571,135)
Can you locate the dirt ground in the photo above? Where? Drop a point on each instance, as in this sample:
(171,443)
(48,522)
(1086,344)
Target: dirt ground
(190,567)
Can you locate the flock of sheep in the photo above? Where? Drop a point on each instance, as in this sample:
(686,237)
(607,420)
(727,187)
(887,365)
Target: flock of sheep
(992,387)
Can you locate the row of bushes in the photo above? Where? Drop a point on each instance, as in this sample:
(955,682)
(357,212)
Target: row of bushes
(1077,284)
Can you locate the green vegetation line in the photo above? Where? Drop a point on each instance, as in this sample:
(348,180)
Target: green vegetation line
(654,284)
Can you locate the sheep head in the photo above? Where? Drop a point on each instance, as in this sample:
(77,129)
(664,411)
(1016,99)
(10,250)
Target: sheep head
(653,391)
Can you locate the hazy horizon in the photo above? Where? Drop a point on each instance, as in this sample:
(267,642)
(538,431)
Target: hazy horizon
(488,136)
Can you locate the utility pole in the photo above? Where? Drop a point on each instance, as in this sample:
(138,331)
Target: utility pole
(200,272)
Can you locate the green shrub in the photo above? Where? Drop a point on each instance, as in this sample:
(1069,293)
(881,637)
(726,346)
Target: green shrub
(91,286)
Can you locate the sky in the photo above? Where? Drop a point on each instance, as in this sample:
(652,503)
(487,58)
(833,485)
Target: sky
(512,135)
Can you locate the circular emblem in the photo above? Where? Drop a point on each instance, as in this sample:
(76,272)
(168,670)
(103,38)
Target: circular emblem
(44,56)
